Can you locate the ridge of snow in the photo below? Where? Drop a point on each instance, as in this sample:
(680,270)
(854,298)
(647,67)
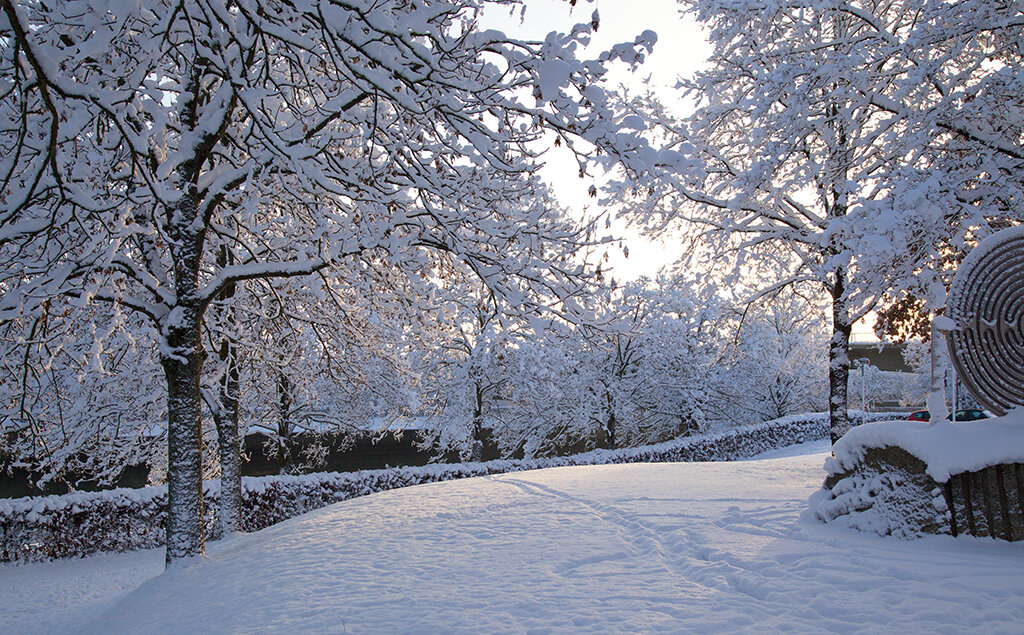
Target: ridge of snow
(946,448)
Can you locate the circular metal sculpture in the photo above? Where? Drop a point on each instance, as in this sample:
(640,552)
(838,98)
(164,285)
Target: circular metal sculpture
(986,302)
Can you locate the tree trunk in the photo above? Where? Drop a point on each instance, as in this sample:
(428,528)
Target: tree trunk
(225,415)
(839,362)
(609,422)
(183,362)
(284,425)
(476,452)
(226,420)
(182,353)
(838,176)
(937,409)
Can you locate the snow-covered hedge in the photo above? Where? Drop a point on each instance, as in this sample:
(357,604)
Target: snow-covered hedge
(81,523)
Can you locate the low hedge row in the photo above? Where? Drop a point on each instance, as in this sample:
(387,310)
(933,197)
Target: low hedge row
(81,523)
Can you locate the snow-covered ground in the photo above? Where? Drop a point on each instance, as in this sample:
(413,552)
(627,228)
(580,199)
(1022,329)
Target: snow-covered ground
(699,547)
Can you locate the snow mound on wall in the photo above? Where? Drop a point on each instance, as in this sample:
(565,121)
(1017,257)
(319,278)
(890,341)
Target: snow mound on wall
(946,448)
(888,493)
(887,477)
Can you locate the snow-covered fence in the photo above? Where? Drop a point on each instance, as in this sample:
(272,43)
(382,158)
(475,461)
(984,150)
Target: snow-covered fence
(81,523)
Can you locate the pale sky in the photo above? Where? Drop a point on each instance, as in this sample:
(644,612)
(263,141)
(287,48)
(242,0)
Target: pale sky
(680,50)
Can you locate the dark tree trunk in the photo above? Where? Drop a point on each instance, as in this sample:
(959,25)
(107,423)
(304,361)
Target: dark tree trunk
(476,452)
(284,427)
(839,163)
(839,362)
(182,353)
(226,419)
(609,423)
(183,363)
(182,356)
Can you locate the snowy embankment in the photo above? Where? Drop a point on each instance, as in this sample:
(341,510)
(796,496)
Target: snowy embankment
(48,527)
(684,547)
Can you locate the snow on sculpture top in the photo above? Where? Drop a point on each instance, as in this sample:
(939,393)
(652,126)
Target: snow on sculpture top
(986,302)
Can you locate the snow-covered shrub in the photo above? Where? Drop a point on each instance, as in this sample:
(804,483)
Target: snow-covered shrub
(81,523)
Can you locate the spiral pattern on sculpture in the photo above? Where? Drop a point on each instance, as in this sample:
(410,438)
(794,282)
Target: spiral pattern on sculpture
(986,302)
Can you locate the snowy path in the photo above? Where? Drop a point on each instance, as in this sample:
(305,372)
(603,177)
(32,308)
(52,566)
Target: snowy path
(700,547)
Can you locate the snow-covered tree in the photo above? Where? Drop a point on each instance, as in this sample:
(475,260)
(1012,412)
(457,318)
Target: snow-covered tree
(640,379)
(775,365)
(653,373)
(462,369)
(322,356)
(138,140)
(852,139)
(550,402)
(72,408)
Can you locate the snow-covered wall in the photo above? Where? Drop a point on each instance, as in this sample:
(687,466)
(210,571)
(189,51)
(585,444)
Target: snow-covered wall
(946,448)
(912,478)
(81,523)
